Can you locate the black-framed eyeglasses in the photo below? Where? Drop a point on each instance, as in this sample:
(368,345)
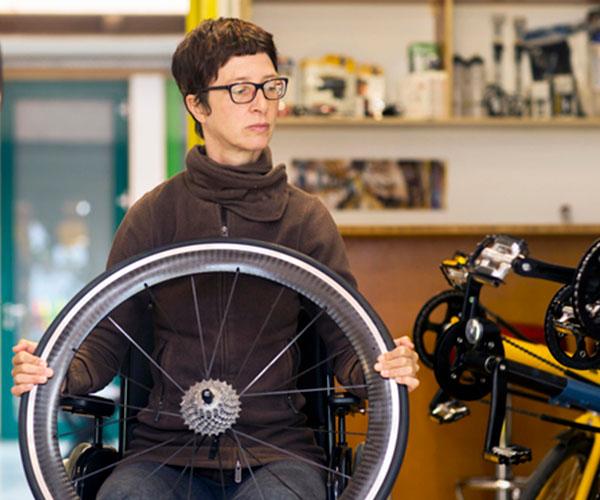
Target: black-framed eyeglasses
(245,92)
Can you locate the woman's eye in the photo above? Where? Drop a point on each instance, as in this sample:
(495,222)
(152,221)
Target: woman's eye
(273,87)
(241,89)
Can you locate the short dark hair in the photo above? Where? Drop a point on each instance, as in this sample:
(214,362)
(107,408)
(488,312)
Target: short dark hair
(207,48)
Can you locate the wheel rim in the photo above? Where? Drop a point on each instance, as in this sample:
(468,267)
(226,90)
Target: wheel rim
(386,443)
(564,481)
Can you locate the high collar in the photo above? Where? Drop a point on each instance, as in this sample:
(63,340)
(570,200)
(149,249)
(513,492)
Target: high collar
(255,191)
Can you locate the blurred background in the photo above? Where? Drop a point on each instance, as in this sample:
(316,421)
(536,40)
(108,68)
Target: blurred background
(504,98)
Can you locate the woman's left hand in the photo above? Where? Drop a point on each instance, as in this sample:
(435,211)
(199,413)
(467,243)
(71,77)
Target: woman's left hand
(401,364)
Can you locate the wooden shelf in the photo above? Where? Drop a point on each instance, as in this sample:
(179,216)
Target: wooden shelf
(531,2)
(417,2)
(464,230)
(433,2)
(330,121)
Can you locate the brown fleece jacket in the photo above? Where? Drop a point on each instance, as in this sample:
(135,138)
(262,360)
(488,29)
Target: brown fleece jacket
(210,200)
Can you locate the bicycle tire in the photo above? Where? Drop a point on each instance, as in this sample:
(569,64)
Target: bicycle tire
(559,473)
(388,403)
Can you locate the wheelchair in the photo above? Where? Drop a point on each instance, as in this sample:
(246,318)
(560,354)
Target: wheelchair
(367,472)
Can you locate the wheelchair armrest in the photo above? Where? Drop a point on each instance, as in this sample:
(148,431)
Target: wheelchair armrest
(93,406)
(343,404)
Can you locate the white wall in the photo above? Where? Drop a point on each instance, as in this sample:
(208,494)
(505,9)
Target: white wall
(496,175)
(147,116)
(376,34)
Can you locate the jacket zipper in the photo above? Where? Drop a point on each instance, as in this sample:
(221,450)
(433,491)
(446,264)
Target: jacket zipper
(225,234)
(161,399)
(224,228)
(295,360)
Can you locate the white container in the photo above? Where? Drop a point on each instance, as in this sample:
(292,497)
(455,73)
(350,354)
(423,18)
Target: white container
(425,95)
(541,104)
(477,87)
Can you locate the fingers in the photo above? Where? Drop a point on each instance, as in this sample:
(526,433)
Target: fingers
(405,340)
(28,370)
(38,369)
(25,345)
(411,383)
(19,390)
(24,357)
(24,382)
(400,364)
(407,369)
(400,356)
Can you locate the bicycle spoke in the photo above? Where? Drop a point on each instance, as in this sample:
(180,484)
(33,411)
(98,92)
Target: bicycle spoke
(223,319)
(300,391)
(289,453)
(160,309)
(221,476)
(135,455)
(312,429)
(105,424)
(243,453)
(181,474)
(255,342)
(274,360)
(146,355)
(166,460)
(270,471)
(189,493)
(123,405)
(200,334)
(134,382)
(314,367)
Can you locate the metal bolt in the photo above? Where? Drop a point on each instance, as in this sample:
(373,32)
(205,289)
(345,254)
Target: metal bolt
(207,396)
(502,368)
(491,345)
(474,331)
(453,376)
(459,340)
(526,267)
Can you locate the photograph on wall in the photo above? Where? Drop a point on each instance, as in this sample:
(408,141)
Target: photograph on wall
(373,184)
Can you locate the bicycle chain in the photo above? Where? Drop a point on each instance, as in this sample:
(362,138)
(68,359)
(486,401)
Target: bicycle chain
(536,356)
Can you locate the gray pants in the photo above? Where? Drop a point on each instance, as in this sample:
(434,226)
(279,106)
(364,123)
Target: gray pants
(286,479)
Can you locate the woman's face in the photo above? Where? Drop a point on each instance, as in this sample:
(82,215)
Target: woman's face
(237,133)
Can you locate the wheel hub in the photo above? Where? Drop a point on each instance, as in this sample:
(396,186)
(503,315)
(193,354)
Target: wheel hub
(210,407)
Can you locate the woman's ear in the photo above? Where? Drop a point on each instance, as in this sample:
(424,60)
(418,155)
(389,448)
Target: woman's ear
(197,109)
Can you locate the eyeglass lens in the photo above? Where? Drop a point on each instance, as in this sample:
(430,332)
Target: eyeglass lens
(246,92)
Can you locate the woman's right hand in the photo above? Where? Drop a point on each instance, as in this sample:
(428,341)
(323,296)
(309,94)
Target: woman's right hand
(28,370)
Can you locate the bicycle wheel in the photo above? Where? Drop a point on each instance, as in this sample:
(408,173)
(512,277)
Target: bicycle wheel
(560,472)
(387,413)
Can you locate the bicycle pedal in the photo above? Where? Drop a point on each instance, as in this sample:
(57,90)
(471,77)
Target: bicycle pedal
(509,455)
(449,411)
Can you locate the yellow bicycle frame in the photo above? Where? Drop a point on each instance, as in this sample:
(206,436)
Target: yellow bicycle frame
(589,418)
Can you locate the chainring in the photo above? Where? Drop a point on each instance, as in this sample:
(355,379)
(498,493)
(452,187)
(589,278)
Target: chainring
(451,372)
(586,291)
(565,337)
(436,315)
